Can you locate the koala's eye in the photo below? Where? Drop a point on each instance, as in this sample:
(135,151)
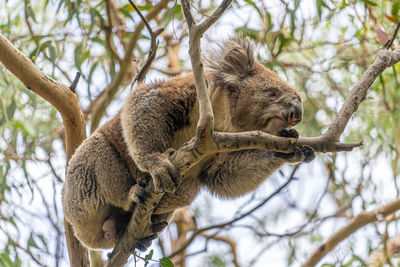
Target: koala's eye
(272,92)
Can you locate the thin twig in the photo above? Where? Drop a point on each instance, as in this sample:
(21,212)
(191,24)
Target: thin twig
(100,104)
(389,45)
(153,47)
(146,23)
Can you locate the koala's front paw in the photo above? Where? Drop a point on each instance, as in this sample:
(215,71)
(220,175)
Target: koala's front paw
(303,153)
(165,175)
(138,194)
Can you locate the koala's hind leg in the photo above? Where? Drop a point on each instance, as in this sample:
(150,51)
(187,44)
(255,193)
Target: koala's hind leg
(84,207)
(115,182)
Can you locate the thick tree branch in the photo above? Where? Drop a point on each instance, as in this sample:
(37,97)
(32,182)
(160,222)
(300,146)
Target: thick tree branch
(66,102)
(356,223)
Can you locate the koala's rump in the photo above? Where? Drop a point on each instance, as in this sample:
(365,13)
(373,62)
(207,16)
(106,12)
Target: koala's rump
(97,181)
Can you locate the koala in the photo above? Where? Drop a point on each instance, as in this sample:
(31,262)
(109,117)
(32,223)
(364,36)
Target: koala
(107,174)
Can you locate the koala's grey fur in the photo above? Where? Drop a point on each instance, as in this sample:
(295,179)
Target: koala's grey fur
(104,172)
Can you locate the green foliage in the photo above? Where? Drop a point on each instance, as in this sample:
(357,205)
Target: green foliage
(6,261)
(148,257)
(165,262)
(215,261)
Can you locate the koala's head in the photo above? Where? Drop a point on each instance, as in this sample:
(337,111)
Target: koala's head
(258,99)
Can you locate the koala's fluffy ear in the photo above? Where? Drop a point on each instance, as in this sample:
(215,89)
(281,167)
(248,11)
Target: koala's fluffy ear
(232,61)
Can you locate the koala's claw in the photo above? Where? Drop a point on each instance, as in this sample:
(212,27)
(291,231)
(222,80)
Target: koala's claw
(291,133)
(303,153)
(158,227)
(308,153)
(284,155)
(144,243)
(138,194)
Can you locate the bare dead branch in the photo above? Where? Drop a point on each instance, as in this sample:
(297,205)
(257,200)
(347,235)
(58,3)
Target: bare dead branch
(389,45)
(144,20)
(146,67)
(153,47)
(100,104)
(66,102)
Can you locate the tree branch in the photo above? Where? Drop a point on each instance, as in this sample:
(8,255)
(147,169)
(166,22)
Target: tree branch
(356,223)
(66,102)
(205,124)
(384,60)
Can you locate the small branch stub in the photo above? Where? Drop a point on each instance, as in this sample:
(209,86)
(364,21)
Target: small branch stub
(75,82)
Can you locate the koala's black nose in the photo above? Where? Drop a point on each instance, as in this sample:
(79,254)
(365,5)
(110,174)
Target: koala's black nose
(295,112)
